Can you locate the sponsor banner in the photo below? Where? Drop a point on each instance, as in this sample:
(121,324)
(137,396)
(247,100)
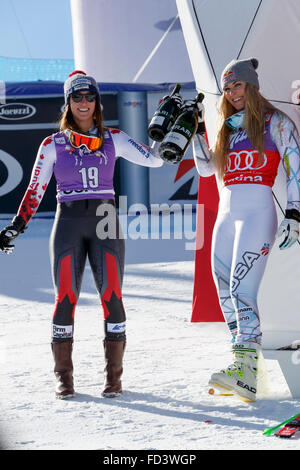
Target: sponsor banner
(16,111)
(24,123)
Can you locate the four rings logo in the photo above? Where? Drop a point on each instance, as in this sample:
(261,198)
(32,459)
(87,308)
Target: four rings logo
(14,111)
(244,160)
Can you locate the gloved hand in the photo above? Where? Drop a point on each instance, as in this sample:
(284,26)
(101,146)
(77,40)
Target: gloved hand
(290,229)
(10,233)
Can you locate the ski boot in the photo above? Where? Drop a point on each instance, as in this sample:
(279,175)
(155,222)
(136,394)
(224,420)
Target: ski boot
(240,378)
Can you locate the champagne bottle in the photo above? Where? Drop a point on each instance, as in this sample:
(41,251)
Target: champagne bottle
(164,117)
(176,142)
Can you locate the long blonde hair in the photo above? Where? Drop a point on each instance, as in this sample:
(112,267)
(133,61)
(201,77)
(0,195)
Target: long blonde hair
(66,120)
(256,108)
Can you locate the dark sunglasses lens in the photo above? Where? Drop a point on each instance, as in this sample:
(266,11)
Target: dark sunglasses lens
(77,98)
(90,98)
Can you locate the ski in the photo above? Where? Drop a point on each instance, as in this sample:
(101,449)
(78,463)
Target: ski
(270,431)
(290,428)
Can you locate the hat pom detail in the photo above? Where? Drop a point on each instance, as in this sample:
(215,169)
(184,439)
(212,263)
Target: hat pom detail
(254,62)
(77,71)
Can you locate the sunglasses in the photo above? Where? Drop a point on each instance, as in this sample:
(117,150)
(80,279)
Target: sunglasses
(78,140)
(78,97)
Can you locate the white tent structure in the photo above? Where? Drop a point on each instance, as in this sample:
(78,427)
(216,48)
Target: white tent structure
(217,32)
(130,41)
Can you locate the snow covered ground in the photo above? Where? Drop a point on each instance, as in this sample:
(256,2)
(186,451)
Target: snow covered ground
(168,362)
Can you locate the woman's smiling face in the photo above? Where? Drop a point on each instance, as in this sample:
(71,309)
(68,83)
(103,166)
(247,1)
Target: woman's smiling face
(235,93)
(83,112)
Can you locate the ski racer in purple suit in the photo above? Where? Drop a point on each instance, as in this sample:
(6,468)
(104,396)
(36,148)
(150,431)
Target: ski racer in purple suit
(82,157)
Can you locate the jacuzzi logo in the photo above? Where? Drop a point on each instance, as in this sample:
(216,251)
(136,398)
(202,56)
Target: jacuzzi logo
(15,111)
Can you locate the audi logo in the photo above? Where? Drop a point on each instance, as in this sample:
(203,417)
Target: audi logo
(244,160)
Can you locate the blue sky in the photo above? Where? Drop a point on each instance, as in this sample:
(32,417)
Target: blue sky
(38,29)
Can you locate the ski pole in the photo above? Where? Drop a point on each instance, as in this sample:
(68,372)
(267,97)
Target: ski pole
(268,431)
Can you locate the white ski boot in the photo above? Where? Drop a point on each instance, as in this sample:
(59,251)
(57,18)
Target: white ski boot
(240,378)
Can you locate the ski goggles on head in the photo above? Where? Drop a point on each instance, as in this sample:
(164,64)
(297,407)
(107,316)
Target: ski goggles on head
(90,142)
(78,97)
